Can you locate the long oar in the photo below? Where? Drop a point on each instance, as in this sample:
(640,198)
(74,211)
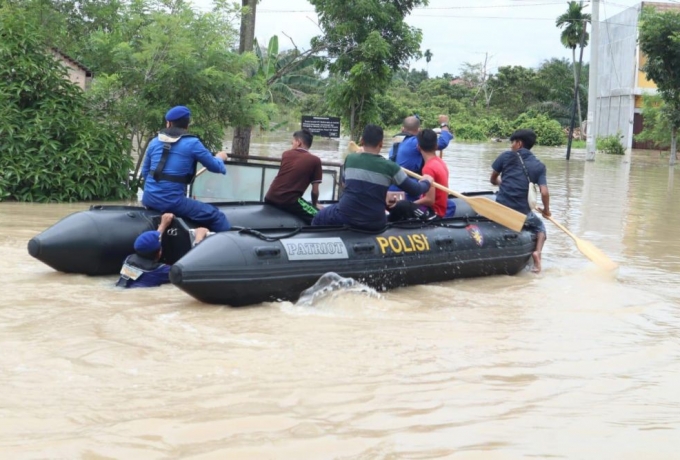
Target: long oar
(496,212)
(588,249)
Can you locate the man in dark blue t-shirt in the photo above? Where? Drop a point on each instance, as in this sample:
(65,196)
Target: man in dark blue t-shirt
(510,172)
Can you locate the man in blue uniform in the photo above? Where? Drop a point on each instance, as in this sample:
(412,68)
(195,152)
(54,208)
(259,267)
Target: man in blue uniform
(408,156)
(170,165)
(143,268)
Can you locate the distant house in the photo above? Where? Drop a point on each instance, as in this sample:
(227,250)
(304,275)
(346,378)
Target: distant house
(621,81)
(460,82)
(77,72)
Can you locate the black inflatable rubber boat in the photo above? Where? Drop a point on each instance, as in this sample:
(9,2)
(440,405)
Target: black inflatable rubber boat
(270,256)
(247,267)
(96,241)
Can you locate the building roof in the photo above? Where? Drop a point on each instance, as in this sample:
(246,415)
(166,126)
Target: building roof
(662,6)
(68,58)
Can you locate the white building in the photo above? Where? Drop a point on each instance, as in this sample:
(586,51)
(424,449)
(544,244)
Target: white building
(621,83)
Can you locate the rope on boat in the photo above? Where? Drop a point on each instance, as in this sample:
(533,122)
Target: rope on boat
(262,236)
(407,224)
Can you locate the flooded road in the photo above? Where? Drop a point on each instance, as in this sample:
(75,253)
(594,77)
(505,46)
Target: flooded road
(572,363)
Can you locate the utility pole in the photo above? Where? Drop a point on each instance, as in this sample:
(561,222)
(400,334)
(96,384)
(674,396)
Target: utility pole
(591,140)
(577,83)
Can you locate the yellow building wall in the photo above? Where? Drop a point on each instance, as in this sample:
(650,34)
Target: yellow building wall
(638,102)
(643,82)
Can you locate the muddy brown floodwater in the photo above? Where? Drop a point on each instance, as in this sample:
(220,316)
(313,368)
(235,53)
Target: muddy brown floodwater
(572,363)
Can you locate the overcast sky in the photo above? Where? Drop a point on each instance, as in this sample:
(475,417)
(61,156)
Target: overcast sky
(513,32)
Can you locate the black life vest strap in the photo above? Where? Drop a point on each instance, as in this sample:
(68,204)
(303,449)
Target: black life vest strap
(159,175)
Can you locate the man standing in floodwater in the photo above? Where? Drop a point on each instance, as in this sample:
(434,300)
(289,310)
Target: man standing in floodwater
(512,172)
(170,165)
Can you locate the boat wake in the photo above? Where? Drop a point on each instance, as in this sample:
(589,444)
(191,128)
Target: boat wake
(331,285)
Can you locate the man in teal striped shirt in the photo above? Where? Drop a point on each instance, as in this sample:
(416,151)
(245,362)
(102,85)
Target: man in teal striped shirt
(367,176)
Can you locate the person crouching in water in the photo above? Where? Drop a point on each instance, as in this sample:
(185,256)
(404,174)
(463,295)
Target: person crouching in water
(512,172)
(143,268)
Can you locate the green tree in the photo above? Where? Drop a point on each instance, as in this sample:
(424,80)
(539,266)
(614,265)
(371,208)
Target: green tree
(52,148)
(413,78)
(574,23)
(660,41)
(655,126)
(366,42)
(554,89)
(548,132)
(514,90)
(157,58)
(289,75)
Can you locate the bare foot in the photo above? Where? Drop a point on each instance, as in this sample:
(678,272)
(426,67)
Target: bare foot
(537,262)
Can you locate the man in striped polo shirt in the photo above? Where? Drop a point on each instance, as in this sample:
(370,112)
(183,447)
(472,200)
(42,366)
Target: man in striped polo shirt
(367,176)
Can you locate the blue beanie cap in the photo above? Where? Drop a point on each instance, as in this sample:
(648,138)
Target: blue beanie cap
(148,242)
(177,112)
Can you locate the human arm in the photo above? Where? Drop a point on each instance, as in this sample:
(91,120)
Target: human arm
(495,178)
(146,166)
(317,177)
(212,163)
(444,138)
(427,199)
(497,169)
(545,193)
(412,186)
(166,221)
(392,156)
(545,198)
(315,194)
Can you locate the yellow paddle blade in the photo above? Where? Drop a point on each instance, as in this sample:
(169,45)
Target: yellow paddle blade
(588,249)
(593,253)
(496,212)
(353,147)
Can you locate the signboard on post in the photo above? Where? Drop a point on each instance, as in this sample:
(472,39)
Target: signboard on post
(322,126)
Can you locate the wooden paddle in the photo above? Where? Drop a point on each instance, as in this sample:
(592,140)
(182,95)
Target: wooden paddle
(496,212)
(200,171)
(588,249)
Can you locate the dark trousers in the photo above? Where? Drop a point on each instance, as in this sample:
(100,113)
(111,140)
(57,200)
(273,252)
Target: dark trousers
(301,209)
(405,210)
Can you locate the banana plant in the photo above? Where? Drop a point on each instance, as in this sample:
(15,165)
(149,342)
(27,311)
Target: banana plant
(290,75)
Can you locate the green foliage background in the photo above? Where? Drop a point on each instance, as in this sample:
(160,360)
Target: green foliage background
(52,148)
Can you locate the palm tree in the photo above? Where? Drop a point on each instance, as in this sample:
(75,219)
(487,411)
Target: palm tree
(575,23)
(428,57)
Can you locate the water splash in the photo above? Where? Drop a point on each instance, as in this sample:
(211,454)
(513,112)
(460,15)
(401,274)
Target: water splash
(331,285)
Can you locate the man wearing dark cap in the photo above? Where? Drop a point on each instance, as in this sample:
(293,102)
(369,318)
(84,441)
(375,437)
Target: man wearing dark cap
(170,165)
(143,268)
